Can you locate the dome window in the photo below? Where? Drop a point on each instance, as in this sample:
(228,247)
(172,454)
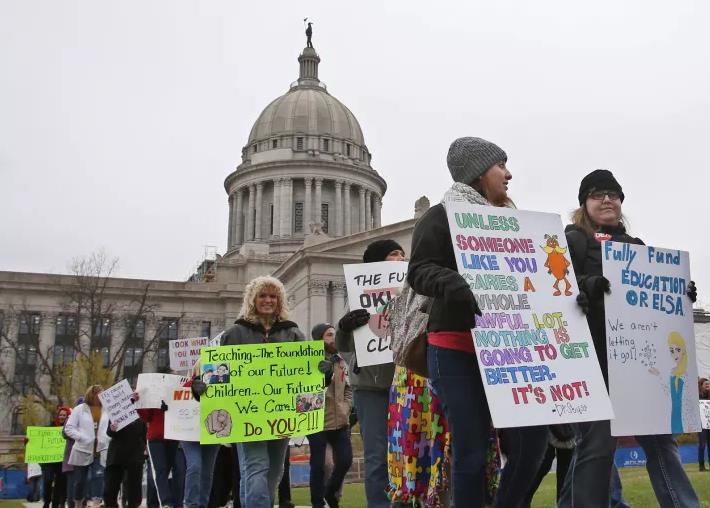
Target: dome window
(254,149)
(274,143)
(299,143)
(326,145)
(347,149)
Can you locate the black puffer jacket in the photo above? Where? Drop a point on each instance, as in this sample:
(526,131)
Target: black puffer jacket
(586,253)
(433,272)
(246,332)
(127,445)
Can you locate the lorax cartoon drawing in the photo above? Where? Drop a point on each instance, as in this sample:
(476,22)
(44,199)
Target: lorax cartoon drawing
(557,264)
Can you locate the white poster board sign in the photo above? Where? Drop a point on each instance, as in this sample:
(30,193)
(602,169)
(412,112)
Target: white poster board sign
(532,343)
(371,286)
(117,402)
(153,388)
(705,414)
(33,470)
(182,419)
(650,340)
(185,352)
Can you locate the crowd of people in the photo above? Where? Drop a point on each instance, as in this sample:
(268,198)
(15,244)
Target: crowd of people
(444,452)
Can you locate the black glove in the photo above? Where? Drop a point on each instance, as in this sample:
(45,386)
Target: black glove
(595,286)
(327,367)
(583,301)
(562,436)
(163,406)
(354,319)
(353,417)
(198,387)
(692,292)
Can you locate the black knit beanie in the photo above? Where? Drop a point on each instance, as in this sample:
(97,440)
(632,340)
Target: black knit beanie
(319,330)
(599,179)
(379,249)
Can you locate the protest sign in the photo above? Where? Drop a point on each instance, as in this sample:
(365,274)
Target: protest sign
(532,343)
(182,419)
(116,401)
(705,414)
(259,392)
(371,286)
(153,388)
(185,352)
(44,444)
(650,340)
(34,470)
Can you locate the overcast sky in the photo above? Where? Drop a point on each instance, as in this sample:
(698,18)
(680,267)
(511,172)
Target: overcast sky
(120,120)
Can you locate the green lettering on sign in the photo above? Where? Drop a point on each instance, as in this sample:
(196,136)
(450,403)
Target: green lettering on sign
(44,445)
(259,392)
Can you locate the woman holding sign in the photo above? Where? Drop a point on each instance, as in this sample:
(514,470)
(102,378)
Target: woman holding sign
(478,168)
(597,219)
(704,434)
(87,426)
(262,319)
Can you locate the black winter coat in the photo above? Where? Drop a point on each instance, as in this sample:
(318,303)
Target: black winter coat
(433,272)
(127,445)
(586,253)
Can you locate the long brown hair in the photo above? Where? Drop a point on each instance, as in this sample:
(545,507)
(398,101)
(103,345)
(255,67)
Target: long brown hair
(580,218)
(702,380)
(91,397)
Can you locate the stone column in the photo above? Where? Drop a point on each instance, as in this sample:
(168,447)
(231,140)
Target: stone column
(259,210)
(250,213)
(378,211)
(307,206)
(239,219)
(317,215)
(347,215)
(286,206)
(318,294)
(277,207)
(338,208)
(230,228)
(368,210)
(338,306)
(47,331)
(362,210)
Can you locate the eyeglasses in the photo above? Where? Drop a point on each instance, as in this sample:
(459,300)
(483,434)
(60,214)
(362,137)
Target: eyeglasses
(600,194)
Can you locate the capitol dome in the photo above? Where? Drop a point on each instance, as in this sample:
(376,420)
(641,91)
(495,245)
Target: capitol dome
(305,169)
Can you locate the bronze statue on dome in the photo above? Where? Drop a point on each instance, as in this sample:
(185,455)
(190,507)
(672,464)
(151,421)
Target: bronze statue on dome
(309,34)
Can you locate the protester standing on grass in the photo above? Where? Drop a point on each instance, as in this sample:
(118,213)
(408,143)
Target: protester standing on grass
(87,426)
(336,428)
(704,434)
(263,319)
(481,177)
(597,219)
(371,387)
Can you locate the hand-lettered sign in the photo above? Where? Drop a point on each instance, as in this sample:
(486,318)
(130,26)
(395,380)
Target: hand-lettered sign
(44,445)
(117,402)
(650,340)
(154,388)
(371,286)
(185,352)
(532,342)
(259,392)
(705,413)
(182,419)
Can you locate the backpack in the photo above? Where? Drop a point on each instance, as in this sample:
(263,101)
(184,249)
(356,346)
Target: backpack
(408,317)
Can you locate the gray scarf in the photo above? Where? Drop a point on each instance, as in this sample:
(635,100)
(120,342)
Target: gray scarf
(462,192)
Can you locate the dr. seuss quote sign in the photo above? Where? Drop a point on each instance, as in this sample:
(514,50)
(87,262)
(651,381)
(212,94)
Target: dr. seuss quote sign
(259,392)
(371,286)
(650,340)
(532,342)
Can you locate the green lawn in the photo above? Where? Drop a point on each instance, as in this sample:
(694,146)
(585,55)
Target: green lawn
(637,490)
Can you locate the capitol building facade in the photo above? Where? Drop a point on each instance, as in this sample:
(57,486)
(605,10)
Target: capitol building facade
(303,201)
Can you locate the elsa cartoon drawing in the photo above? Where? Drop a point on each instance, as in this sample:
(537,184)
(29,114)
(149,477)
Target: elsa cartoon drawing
(676,388)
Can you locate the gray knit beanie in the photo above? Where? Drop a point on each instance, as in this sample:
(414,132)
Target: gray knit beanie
(469,158)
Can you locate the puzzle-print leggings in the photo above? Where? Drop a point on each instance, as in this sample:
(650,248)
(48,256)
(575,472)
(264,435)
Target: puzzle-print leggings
(456,379)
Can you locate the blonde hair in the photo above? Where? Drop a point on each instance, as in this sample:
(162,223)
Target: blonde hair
(676,339)
(91,397)
(580,218)
(253,289)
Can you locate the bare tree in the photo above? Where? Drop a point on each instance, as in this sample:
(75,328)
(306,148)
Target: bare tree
(84,352)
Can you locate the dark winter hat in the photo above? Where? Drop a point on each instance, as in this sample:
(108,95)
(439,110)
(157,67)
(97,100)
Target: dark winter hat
(378,250)
(599,179)
(469,158)
(319,330)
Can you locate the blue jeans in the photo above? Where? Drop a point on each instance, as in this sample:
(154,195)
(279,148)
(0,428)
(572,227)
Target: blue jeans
(456,379)
(589,478)
(199,465)
(261,465)
(164,455)
(342,457)
(371,407)
(89,480)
